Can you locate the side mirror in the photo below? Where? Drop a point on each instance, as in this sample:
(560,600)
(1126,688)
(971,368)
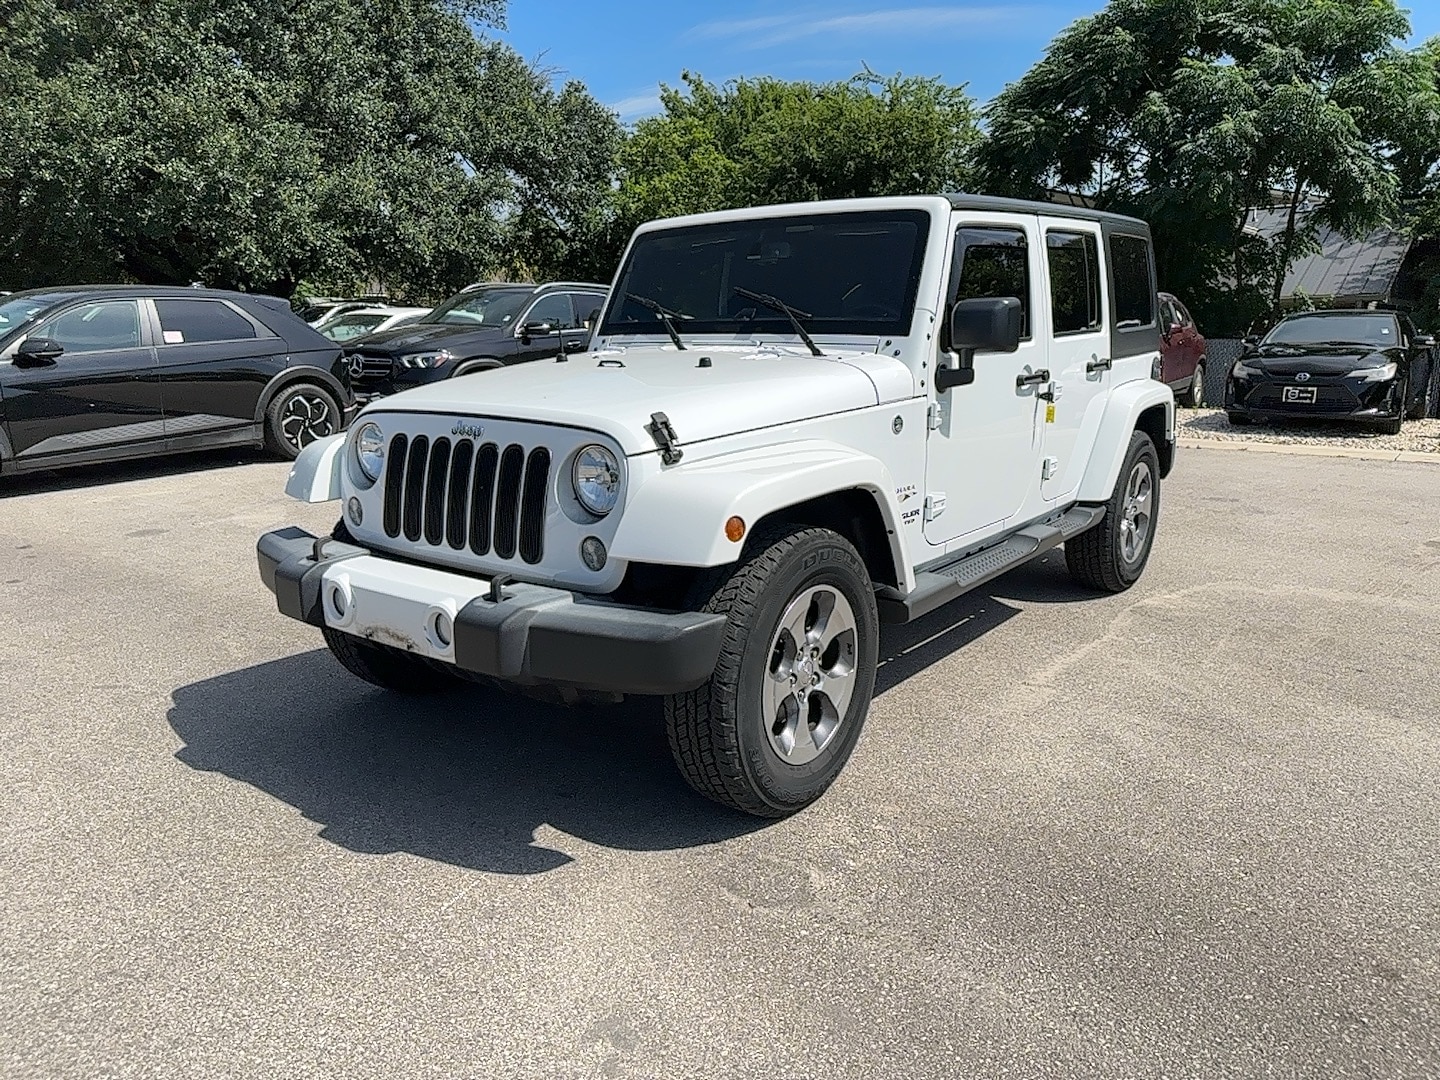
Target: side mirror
(38,351)
(537,329)
(1425,341)
(1250,339)
(991,323)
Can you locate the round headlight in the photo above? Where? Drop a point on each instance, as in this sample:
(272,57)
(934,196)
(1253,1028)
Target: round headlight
(370,451)
(597,480)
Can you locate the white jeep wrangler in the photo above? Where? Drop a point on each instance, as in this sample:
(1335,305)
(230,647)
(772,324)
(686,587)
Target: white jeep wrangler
(793,423)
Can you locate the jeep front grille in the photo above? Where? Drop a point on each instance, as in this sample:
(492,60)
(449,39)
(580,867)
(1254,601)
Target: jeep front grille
(464,494)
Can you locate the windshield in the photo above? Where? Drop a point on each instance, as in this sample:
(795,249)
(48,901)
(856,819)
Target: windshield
(349,326)
(16,312)
(483,307)
(851,273)
(1374,329)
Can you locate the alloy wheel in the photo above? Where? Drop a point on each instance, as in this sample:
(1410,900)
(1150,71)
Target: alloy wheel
(307,416)
(1137,512)
(810,677)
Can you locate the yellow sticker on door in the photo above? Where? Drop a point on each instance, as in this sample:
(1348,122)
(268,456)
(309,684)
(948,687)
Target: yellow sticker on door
(1050,413)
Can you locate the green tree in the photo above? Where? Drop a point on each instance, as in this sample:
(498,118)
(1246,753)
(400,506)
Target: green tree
(1191,113)
(757,141)
(256,145)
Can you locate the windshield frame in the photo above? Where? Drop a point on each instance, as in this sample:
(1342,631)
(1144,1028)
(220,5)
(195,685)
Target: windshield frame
(1324,337)
(771,324)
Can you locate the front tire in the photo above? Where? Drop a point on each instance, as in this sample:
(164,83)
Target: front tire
(301,413)
(780,716)
(1421,404)
(386,667)
(1238,419)
(1112,556)
(1195,394)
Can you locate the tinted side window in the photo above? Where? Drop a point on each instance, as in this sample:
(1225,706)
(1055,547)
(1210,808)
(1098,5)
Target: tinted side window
(1074,281)
(189,321)
(110,324)
(991,263)
(588,307)
(1134,299)
(553,309)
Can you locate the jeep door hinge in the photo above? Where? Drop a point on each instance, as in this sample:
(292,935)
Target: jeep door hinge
(932,417)
(934,505)
(1049,467)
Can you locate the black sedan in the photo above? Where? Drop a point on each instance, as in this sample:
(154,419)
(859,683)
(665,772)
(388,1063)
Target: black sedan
(97,373)
(1366,366)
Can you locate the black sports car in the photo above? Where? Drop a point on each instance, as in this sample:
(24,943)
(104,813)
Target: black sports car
(94,373)
(1344,365)
(485,326)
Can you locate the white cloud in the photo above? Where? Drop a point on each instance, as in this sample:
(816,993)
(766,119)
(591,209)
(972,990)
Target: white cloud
(637,106)
(778,29)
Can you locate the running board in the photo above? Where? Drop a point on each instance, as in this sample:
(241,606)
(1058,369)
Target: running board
(939,585)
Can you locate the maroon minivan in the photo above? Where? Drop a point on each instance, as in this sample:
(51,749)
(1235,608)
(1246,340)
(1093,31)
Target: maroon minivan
(1182,353)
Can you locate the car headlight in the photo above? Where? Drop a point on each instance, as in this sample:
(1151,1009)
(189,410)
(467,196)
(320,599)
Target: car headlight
(427,359)
(370,451)
(596,477)
(1374,374)
(1242,370)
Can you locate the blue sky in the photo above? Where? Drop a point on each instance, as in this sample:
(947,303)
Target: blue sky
(624,49)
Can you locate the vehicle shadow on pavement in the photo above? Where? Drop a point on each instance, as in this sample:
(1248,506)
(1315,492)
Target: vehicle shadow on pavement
(84,476)
(465,776)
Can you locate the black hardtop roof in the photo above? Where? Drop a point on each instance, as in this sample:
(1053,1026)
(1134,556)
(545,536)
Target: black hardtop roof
(997,204)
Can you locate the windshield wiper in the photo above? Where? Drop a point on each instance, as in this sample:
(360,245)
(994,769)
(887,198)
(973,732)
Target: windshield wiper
(793,314)
(666,316)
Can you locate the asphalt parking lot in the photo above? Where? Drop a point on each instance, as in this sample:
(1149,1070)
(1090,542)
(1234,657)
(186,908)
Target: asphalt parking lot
(1190,831)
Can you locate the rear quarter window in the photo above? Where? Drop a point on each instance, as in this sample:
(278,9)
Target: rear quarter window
(191,321)
(1130,264)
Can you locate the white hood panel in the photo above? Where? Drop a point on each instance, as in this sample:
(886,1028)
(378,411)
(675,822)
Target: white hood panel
(615,391)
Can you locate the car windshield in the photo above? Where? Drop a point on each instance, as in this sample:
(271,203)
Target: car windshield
(847,273)
(483,307)
(19,310)
(349,326)
(1374,329)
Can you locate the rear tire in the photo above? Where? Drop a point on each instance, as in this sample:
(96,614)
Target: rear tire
(779,717)
(386,667)
(1195,394)
(1112,556)
(300,413)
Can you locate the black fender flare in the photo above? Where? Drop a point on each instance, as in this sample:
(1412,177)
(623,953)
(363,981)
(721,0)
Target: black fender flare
(292,375)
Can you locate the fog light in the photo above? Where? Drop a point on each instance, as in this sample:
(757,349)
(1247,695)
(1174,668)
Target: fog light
(734,529)
(444,630)
(338,604)
(354,511)
(592,551)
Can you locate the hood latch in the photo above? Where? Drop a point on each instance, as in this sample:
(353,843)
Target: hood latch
(665,438)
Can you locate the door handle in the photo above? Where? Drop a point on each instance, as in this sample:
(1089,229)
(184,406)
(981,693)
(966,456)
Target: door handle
(1041,376)
(1098,364)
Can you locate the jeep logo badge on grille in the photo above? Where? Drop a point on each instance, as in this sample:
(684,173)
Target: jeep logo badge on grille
(473,431)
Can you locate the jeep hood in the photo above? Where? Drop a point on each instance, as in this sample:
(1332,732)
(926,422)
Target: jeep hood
(614,392)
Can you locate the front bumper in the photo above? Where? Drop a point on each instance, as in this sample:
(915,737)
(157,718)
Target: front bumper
(1334,398)
(529,635)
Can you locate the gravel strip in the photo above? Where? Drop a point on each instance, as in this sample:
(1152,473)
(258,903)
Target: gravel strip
(1422,436)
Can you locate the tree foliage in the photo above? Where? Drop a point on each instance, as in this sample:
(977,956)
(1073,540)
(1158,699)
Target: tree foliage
(1191,113)
(258,145)
(759,141)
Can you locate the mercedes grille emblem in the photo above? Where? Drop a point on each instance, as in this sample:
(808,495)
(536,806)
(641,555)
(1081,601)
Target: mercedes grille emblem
(357,366)
(1304,376)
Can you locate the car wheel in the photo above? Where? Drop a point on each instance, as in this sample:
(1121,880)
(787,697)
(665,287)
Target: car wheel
(1238,419)
(779,717)
(1195,395)
(387,667)
(1389,427)
(1112,555)
(300,414)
